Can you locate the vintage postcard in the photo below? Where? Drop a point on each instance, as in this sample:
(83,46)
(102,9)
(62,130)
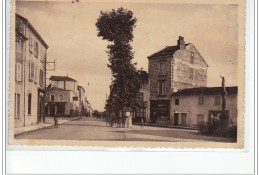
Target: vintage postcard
(131,73)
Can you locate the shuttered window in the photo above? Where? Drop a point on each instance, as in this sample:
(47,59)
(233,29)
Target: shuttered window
(18,71)
(31,76)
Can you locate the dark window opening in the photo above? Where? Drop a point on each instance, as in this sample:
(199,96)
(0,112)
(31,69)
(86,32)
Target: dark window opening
(177,101)
(29,103)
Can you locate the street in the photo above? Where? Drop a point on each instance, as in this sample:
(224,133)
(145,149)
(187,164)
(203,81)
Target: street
(95,129)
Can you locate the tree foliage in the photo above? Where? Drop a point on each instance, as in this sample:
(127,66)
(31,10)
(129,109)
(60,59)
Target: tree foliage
(117,26)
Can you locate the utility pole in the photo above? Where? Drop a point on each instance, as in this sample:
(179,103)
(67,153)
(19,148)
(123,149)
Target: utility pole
(224,93)
(51,67)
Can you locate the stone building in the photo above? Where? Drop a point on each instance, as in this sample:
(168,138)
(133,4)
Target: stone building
(194,106)
(30,72)
(64,96)
(170,69)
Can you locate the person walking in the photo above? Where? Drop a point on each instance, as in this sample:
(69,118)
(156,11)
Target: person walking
(56,119)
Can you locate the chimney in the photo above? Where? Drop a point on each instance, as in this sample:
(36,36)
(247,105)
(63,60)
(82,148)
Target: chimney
(181,43)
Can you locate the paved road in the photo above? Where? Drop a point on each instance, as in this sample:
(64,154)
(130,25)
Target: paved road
(95,129)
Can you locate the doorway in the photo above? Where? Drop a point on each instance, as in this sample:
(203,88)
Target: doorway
(176,119)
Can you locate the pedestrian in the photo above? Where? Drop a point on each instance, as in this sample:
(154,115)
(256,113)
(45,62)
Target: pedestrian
(56,120)
(142,121)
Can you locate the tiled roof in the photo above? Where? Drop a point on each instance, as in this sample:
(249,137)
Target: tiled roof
(169,50)
(61,78)
(55,88)
(205,91)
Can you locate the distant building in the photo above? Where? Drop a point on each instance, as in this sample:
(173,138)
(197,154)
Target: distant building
(82,101)
(64,96)
(30,73)
(144,111)
(194,106)
(170,69)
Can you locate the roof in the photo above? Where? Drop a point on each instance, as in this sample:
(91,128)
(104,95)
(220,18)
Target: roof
(169,50)
(80,87)
(33,29)
(205,91)
(56,88)
(61,78)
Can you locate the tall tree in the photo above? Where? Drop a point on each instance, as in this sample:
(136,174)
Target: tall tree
(117,27)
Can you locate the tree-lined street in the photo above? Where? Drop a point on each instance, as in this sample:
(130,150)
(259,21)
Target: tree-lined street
(95,129)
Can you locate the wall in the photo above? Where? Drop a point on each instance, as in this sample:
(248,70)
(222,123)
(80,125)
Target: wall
(185,73)
(154,76)
(57,92)
(32,85)
(189,104)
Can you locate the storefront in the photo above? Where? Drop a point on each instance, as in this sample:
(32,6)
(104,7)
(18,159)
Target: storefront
(160,110)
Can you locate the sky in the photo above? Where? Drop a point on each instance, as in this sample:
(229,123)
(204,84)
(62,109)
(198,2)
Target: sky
(69,30)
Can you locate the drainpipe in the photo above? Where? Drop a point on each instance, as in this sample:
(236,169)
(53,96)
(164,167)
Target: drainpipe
(24,73)
(44,97)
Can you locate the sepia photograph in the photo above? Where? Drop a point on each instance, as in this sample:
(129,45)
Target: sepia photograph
(142,74)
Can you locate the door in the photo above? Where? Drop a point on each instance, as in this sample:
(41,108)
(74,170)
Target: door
(40,110)
(176,119)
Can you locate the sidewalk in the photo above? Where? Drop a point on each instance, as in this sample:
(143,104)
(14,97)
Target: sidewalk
(48,123)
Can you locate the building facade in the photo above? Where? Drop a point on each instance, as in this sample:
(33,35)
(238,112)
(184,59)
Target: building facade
(171,69)
(30,73)
(64,96)
(143,112)
(195,106)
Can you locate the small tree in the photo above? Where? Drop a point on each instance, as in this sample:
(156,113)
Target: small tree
(117,27)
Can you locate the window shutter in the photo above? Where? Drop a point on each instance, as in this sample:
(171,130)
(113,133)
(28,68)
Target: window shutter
(31,43)
(35,74)
(18,71)
(31,71)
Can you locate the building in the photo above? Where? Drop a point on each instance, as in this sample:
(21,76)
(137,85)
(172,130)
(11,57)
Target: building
(82,101)
(170,69)
(64,96)
(195,106)
(145,96)
(30,73)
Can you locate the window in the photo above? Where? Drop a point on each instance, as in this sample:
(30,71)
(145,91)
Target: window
(29,104)
(201,100)
(41,78)
(162,68)
(142,96)
(36,49)
(200,119)
(61,97)
(31,71)
(18,45)
(192,57)
(31,44)
(183,118)
(19,71)
(161,88)
(177,101)
(36,73)
(52,97)
(190,73)
(17,106)
(217,100)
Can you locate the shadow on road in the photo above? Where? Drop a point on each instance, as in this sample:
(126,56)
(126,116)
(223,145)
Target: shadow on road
(177,134)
